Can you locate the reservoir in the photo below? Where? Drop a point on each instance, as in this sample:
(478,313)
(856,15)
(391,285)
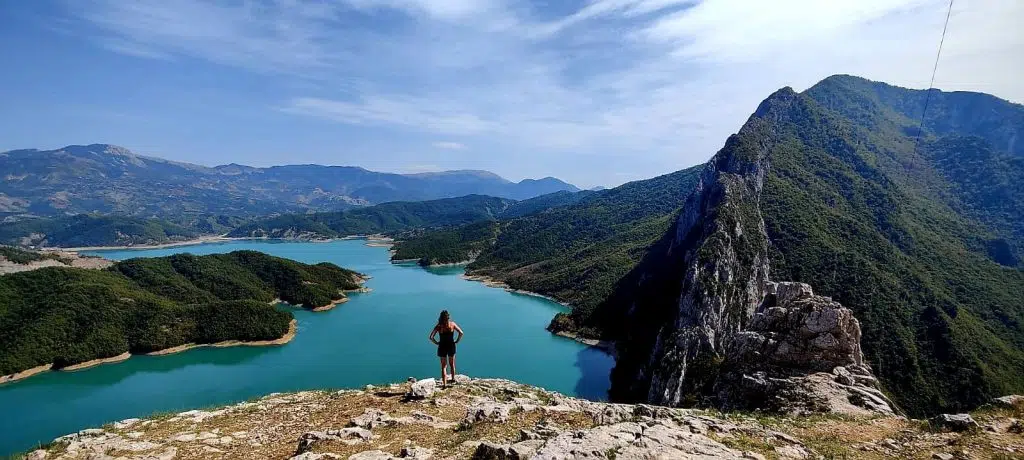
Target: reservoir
(376,337)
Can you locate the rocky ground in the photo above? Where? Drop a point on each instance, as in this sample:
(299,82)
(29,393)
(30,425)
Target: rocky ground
(500,419)
(65,259)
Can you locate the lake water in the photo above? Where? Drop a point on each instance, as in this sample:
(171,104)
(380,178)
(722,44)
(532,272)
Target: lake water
(376,337)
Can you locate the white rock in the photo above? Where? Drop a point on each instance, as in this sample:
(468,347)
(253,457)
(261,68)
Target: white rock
(126,423)
(423,388)
(371,455)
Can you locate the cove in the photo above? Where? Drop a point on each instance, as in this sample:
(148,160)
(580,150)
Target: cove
(375,337)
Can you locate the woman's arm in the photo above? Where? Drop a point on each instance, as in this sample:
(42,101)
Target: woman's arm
(431,337)
(459,329)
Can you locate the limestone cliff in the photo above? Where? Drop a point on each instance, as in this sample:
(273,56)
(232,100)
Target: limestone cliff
(714,338)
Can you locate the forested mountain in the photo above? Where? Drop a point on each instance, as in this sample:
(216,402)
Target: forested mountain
(113,230)
(67,316)
(850,205)
(107,179)
(382,218)
(92,230)
(573,250)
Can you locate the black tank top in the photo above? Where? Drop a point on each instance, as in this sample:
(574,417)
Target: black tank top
(448,336)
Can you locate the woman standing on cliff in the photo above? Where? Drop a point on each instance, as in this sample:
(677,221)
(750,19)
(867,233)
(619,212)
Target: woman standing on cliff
(446,329)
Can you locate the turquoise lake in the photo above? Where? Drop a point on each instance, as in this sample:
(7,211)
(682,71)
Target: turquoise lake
(376,337)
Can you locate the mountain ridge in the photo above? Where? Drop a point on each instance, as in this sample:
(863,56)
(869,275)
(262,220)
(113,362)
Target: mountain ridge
(855,204)
(108,179)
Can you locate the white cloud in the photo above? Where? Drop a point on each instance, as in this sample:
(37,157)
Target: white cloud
(449,145)
(639,87)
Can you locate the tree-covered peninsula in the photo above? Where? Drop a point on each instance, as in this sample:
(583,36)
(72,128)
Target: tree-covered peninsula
(63,316)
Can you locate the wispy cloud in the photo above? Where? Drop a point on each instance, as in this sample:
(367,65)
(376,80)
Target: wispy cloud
(647,86)
(132,49)
(449,145)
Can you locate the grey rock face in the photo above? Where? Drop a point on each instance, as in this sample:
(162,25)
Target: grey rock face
(371,455)
(1008,400)
(719,258)
(720,328)
(800,353)
(487,411)
(954,422)
(372,418)
(418,453)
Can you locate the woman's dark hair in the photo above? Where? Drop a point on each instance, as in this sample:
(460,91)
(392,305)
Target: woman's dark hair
(442,321)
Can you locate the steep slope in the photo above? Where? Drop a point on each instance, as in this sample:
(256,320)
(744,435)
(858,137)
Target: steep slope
(850,206)
(574,251)
(104,179)
(382,218)
(64,316)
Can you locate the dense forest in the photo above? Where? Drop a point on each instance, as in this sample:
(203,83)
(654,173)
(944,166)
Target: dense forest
(94,230)
(382,218)
(66,316)
(573,249)
(920,241)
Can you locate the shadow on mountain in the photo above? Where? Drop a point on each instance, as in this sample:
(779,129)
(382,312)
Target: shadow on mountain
(595,367)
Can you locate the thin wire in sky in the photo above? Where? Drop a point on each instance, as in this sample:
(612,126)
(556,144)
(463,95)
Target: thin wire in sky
(931,84)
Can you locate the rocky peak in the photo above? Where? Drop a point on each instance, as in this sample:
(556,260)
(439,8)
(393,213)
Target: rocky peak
(727,335)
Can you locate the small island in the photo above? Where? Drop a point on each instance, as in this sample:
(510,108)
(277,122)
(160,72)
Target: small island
(69,318)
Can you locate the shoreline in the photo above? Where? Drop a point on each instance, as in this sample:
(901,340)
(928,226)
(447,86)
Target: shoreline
(449,264)
(287,337)
(491,282)
(334,303)
(192,242)
(25,373)
(603,345)
(96,362)
(21,375)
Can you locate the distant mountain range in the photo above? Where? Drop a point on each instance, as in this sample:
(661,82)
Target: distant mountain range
(108,179)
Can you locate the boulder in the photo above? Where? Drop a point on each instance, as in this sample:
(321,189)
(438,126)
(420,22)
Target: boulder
(372,418)
(418,453)
(486,411)
(371,455)
(315,456)
(492,451)
(1008,401)
(525,449)
(954,422)
(423,388)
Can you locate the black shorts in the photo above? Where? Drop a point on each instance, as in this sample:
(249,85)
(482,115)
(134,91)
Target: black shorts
(445,349)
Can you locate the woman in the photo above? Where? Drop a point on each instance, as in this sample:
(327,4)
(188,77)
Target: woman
(446,329)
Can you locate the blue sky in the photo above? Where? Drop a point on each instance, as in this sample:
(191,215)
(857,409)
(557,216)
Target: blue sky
(595,92)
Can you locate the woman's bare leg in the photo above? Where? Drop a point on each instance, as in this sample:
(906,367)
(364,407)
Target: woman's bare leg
(451,364)
(444,378)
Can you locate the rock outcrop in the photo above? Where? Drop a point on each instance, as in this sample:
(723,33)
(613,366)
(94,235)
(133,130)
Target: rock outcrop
(498,419)
(724,334)
(799,353)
